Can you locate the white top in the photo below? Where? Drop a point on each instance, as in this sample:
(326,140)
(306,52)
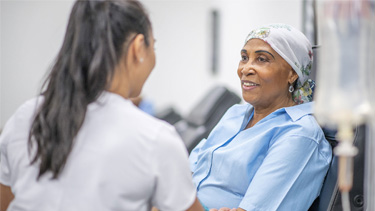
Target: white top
(122,159)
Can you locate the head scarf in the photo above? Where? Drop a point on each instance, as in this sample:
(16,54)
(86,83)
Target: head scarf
(293,46)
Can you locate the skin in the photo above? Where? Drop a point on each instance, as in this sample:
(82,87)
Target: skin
(6,196)
(227,209)
(261,65)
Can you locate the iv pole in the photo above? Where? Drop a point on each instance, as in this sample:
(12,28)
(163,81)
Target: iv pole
(347,61)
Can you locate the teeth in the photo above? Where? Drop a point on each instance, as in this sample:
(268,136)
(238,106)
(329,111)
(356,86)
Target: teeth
(249,84)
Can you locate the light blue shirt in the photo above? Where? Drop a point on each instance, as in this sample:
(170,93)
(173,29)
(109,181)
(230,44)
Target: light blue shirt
(278,164)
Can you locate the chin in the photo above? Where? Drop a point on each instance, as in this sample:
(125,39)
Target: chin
(247,99)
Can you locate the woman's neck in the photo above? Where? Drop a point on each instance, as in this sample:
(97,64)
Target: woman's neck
(120,83)
(261,112)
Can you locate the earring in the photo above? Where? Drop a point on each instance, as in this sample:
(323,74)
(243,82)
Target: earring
(141,60)
(291,88)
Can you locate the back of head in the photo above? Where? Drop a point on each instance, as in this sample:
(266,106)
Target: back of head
(97,36)
(95,39)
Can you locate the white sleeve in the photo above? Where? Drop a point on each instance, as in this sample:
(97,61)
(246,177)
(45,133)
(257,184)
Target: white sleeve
(16,128)
(4,168)
(4,163)
(174,187)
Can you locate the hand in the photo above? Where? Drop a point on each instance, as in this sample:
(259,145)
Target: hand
(224,209)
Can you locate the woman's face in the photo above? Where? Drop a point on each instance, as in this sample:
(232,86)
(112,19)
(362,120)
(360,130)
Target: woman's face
(264,75)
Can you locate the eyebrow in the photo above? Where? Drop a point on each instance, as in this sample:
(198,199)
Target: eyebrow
(260,51)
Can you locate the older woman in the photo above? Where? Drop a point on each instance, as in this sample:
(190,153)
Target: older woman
(268,154)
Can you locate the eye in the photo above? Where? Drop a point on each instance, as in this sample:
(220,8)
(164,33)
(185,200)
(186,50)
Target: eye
(244,58)
(262,59)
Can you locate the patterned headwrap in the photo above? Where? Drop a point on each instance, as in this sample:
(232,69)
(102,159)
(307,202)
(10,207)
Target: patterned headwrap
(293,46)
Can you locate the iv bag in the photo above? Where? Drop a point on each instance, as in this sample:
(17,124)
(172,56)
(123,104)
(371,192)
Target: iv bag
(345,73)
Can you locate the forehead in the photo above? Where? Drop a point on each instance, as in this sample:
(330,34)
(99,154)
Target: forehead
(257,44)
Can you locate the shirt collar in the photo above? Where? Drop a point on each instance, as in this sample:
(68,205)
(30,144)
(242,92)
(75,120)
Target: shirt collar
(106,96)
(298,111)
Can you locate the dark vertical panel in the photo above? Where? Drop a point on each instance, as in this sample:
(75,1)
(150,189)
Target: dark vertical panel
(215,41)
(310,29)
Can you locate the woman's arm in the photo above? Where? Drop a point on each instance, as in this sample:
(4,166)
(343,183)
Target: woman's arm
(196,206)
(6,197)
(228,209)
(295,166)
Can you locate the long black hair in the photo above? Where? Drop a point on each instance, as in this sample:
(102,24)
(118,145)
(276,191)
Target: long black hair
(97,35)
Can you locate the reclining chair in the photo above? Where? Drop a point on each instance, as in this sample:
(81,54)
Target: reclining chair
(203,117)
(330,196)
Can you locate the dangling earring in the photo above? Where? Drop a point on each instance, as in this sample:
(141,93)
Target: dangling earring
(291,88)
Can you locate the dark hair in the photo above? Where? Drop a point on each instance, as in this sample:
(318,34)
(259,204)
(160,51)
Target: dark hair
(97,35)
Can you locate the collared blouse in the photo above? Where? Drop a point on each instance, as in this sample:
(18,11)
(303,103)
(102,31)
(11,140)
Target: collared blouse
(278,164)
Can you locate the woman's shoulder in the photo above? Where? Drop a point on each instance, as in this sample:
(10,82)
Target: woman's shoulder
(297,112)
(122,115)
(303,123)
(26,110)
(29,106)
(17,126)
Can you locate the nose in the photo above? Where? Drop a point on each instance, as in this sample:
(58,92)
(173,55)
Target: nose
(247,70)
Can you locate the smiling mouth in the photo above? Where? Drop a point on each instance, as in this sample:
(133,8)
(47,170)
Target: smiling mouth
(250,84)
(247,85)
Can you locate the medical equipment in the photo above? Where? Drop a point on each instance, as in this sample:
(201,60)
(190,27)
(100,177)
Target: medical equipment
(345,94)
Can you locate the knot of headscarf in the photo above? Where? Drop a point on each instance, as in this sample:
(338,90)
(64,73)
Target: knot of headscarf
(293,46)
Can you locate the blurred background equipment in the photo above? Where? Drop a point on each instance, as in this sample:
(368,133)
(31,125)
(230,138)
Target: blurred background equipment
(144,104)
(203,117)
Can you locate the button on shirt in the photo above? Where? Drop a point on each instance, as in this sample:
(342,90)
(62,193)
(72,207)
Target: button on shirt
(278,164)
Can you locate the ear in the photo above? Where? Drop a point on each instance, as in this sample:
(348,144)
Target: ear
(293,76)
(138,49)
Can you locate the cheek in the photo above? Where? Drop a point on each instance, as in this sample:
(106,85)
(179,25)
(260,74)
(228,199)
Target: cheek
(273,81)
(154,58)
(239,71)
(274,75)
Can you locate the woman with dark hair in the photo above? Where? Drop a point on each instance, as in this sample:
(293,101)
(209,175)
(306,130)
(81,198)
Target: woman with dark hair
(82,145)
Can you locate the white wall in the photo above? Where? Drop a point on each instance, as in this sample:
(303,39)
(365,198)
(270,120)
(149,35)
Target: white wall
(181,74)
(32,31)
(31,34)
(239,17)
